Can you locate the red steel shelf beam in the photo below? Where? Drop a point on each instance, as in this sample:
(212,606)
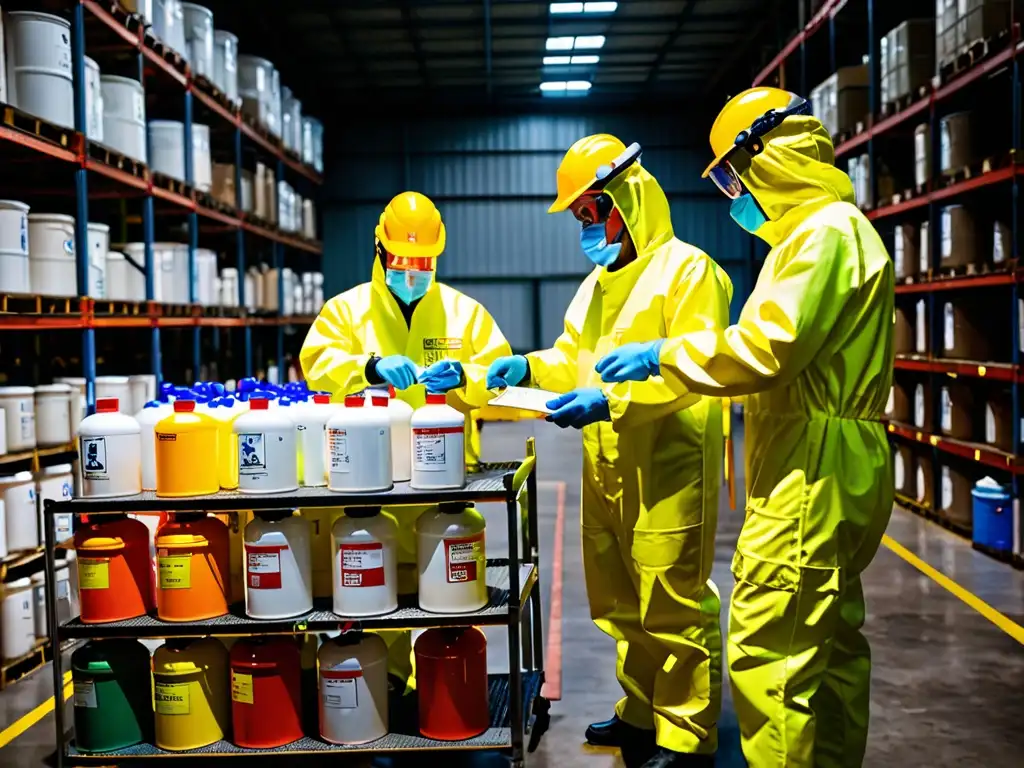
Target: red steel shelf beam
(968,185)
(994,371)
(961,283)
(812,26)
(983,454)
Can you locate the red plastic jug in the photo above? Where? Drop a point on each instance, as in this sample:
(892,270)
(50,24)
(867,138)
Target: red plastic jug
(114,575)
(451,683)
(266,704)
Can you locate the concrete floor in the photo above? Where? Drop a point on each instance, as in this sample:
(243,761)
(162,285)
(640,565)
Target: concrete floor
(947,687)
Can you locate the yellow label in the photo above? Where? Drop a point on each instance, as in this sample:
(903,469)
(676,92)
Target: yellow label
(241,687)
(93,573)
(175,571)
(172,698)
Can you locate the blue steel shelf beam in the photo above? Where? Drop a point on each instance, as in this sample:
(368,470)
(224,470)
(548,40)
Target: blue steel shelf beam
(278,256)
(82,205)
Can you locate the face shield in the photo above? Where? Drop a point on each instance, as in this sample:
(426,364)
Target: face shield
(407,277)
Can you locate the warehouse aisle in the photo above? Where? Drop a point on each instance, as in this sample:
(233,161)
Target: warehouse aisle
(946,685)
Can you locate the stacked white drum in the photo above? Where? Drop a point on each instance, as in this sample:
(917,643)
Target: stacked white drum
(53,414)
(18,492)
(19,417)
(17,613)
(199,39)
(51,254)
(124,116)
(225,63)
(39,79)
(93,101)
(14,270)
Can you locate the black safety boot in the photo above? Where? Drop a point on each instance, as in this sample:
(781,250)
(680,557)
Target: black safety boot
(637,744)
(666,758)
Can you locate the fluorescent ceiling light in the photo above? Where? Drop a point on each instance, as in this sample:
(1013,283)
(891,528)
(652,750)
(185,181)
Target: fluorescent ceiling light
(586,42)
(560,43)
(565,88)
(558,61)
(589,59)
(566,7)
(578,85)
(553,85)
(597,7)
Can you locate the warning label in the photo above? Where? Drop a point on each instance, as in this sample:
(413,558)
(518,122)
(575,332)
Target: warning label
(93,573)
(465,559)
(339,689)
(430,448)
(337,450)
(175,571)
(362,565)
(94,458)
(172,698)
(241,687)
(263,566)
(252,455)
(85,694)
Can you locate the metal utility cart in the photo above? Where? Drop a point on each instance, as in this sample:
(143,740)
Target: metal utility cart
(518,711)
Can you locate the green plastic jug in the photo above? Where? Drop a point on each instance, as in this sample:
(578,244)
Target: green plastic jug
(113,686)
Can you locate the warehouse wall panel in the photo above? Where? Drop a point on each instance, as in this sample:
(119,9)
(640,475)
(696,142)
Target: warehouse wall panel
(511,306)
(555,297)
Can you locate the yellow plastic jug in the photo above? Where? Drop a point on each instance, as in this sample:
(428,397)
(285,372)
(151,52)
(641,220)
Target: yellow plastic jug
(224,412)
(186,453)
(191,692)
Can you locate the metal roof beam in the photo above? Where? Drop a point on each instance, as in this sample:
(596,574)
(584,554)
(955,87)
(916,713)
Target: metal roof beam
(684,17)
(412,29)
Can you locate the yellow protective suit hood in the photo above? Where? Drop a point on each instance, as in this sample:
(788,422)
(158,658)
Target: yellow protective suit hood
(644,208)
(794,176)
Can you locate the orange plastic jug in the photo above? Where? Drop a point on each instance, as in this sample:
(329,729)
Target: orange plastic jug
(186,453)
(193,579)
(114,576)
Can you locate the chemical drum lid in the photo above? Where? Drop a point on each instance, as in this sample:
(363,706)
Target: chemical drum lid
(53,389)
(38,578)
(19,478)
(56,469)
(17,584)
(16,391)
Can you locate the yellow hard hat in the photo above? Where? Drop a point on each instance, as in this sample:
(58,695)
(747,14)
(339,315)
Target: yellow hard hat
(578,170)
(411,227)
(741,113)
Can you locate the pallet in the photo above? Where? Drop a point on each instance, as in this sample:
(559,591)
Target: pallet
(261,130)
(989,164)
(258,221)
(973,54)
(219,311)
(36,126)
(30,304)
(206,200)
(108,308)
(121,162)
(175,186)
(907,194)
(207,87)
(133,22)
(904,102)
(929,514)
(14,670)
(165,52)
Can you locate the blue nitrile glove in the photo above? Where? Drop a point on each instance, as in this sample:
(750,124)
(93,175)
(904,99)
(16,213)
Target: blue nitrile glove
(442,376)
(579,408)
(631,362)
(397,370)
(507,372)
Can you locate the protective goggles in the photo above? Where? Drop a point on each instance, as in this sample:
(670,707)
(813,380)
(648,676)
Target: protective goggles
(749,144)
(405,263)
(592,207)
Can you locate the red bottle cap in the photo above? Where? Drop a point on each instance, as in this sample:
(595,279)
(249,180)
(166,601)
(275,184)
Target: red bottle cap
(321,399)
(380,401)
(107,405)
(391,390)
(184,406)
(354,401)
(259,404)
(436,399)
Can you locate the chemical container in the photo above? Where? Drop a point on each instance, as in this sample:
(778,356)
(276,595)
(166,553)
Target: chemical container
(53,414)
(955,504)
(311,422)
(438,445)
(956,409)
(57,483)
(202,163)
(124,116)
(254,88)
(18,404)
(169,25)
(115,386)
(152,414)
(18,492)
(127,283)
(190,682)
(452,559)
(109,450)
(923,407)
(99,244)
(451,683)
(353,689)
(143,389)
(40,623)
(359,448)
(279,565)
(115,579)
(93,102)
(199,39)
(224,410)
(14,272)
(113,687)
(365,562)
(225,63)
(266,688)
(39,58)
(206,277)
(78,401)
(400,415)
(167,143)
(993,515)
(999,420)
(186,453)
(51,254)
(193,571)
(266,450)
(17,615)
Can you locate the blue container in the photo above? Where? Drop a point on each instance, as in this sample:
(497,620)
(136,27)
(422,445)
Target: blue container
(993,518)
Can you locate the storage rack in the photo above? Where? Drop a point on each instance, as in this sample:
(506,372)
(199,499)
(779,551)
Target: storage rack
(517,709)
(990,63)
(101,173)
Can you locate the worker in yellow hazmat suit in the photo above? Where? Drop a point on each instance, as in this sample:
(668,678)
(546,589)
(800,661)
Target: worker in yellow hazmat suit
(813,352)
(407,330)
(652,461)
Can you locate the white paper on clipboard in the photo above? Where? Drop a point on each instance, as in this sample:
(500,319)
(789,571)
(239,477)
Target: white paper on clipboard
(524,399)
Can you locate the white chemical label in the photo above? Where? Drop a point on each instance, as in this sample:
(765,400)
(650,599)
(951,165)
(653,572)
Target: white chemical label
(63,524)
(919,406)
(337,450)
(252,454)
(430,448)
(139,106)
(890,404)
(990,424)
(898,251)
(948,328)
(947,410)
(998,253)
(946,231)
(340,690)
(947,489)
(925,249)
(899,472)
(28,426)
(94,458)
(921,328)
(24,235)
(85,694)
(465,557)
(62,53)
(263,566)
(362,565)
(920,485)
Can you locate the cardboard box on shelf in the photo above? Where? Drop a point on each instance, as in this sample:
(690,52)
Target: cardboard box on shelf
(956,410)
(999,420)
(904,250)
(981,19)
(1002,243)
(958,238)
(956,142)
(913,39)
(224,183)
(923,406)
(955,504)
(907,58)
(262,205)
(903,336)
(842,99)
(898,407)
(270,195)
(947,43)
(903,470)
(963,335)
(924,477)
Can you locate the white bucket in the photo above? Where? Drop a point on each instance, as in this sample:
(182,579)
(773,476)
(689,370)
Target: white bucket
(167,142)
(172,259)
(78,402)
(18,404)
(169,25)
(202,163)
(255,77)
(51,253)
(14,247)
(124,279)
(53,414)
(18,618)
(206,277)
(124,116)
(199,38)
(93,101)
(143,388)
(115,386)
(39,80)
(99,243)
(19,494)
(225,63)
(55,483)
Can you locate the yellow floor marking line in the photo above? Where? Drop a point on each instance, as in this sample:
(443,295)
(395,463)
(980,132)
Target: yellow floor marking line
(1010,627)
(26,721)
